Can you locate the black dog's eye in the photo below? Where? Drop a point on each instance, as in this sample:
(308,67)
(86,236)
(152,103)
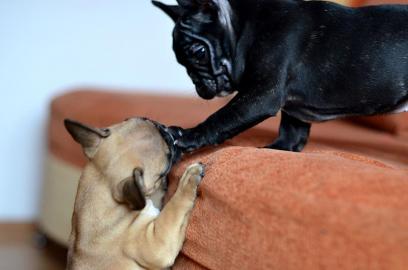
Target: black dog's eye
(199,53)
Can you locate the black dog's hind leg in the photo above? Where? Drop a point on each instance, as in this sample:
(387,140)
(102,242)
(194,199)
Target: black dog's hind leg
(293,134)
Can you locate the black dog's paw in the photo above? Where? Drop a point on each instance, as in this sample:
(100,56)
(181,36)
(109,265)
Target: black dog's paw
(184,139)
(174,135)
(176,132)
(185,147)
(285,146)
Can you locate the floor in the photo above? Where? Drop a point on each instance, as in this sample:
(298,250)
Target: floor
(23,248)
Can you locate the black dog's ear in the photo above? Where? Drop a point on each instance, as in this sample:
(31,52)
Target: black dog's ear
(174,11)
(186,3)
(190,4)
(88,137)
(134,191)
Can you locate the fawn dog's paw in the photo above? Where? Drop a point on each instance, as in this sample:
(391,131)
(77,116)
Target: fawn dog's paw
(196,172)
(193,174)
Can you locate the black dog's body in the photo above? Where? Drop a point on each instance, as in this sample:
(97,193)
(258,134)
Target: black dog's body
(314,61)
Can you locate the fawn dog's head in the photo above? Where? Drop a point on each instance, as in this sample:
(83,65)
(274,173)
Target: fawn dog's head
(131,158)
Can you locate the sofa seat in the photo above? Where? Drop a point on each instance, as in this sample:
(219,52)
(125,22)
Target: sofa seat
(340,204)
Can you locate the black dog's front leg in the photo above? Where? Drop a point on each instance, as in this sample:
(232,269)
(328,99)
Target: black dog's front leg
(293,134)
(241,113)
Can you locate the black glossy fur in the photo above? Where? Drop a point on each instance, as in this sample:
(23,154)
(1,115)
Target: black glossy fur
(314,61)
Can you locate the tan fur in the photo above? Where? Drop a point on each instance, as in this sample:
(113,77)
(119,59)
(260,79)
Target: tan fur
(106,232)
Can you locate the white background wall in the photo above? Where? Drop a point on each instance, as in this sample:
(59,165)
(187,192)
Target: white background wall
(48,46)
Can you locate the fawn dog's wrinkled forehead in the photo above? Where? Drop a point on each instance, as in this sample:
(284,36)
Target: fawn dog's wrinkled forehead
(154,134)
(162,130)
(138,139)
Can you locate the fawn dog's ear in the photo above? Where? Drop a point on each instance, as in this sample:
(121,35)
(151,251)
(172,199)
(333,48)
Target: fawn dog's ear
(88,137)
(133,190)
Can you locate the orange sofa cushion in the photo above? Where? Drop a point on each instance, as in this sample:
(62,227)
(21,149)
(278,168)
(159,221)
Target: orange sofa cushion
(104,108)
(264,209)
(393,123)
(340,204)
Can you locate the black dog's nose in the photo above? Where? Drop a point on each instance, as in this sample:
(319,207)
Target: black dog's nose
(203,93)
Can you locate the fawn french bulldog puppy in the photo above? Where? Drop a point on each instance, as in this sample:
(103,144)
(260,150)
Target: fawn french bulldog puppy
(117,223)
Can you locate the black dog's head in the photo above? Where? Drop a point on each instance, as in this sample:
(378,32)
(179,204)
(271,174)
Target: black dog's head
(204,42)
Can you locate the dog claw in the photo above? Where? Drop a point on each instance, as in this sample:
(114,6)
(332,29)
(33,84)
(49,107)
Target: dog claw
(202,173)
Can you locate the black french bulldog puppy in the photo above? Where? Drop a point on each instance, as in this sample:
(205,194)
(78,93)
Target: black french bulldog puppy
(313,61)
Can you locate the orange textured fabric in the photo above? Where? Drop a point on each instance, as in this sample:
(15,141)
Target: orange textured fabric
(393,123)
(265,209)
(380,2)
(103,108)
(341,204)
(358,3)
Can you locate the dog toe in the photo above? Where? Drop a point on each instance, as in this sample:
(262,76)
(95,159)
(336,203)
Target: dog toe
(196,170)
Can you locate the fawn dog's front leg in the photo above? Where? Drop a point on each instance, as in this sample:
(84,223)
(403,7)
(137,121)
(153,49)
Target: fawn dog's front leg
(164,236)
